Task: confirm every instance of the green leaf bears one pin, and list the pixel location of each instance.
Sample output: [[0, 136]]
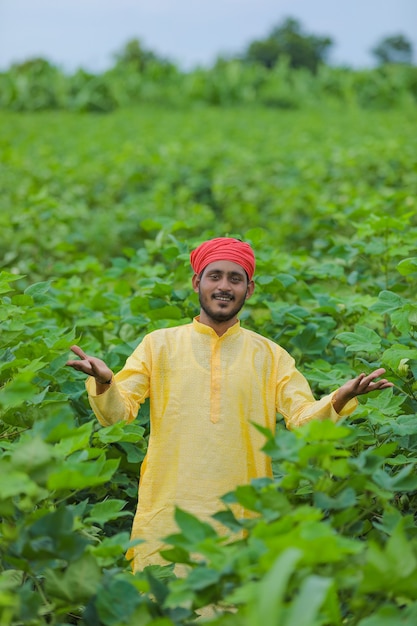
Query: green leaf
[[324, 430], [132, 433], [6, 278], [343, 500], [310, 341], [134, 452], [391, 569], [202, 577], [228, 520], [396, 353], [75, 439], [116, 602], [404, 425], [246, 496], [166, 313], [386, 403], [404, 480], [407, 266], [38, 289], [17, 392], [77, 584], [31, 452], [362, 340], [285, 280], [79, 475], [18, 483], [30, 603], [11, 579], [403, 559], [102, 512], [177, 555], [268, 607], [285, 446], [158, 587], [52, 537], [388, 302], [191, 527], [305, 607], [112, 548], [392, 615]]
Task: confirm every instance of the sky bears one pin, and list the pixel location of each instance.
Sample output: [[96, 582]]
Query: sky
[[88, 33]]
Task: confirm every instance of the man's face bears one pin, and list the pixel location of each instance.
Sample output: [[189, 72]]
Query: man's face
[[222, 289]]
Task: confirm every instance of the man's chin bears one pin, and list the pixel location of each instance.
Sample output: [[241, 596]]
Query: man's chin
[[217, 314], [220, 316]]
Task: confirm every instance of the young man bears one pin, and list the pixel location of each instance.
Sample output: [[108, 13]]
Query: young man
[[208, 382]]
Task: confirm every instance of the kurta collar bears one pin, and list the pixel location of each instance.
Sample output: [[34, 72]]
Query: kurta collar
[[207, 330]]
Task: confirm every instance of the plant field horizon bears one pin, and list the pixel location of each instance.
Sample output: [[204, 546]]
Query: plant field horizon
[[98, 214]]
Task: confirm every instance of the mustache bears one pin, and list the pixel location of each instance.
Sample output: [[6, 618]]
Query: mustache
[[223, 294]]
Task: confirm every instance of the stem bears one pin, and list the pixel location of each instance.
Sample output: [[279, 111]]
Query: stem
[[386, 258], [61, 500], [8, 435], [363, 515], [39, 588], [409, 395], [366, 611]]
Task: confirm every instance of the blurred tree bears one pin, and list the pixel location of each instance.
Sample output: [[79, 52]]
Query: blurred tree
[[37, 85], [35, 65], [288, 40], [394, 49], [134, 55]]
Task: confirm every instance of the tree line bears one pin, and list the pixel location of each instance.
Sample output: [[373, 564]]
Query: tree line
[[286, 69], [287, 40]]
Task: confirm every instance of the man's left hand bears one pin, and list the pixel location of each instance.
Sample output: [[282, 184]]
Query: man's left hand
[[364, 383]]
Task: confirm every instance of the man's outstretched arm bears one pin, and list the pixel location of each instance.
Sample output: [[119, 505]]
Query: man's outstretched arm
[[358, 386], [92, 366]]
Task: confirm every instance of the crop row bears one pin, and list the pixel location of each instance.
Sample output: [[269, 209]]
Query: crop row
[[98, 216]]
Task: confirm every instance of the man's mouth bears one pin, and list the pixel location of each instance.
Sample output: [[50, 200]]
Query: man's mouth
[[223, 298]]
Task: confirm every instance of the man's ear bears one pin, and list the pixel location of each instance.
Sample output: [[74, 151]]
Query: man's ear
[[250, 289], [195, 282]]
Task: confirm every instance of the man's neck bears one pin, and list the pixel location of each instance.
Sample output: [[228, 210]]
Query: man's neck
[[219, 327]]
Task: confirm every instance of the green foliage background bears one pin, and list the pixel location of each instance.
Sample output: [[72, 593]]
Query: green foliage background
[[140, 78], [98, 215]]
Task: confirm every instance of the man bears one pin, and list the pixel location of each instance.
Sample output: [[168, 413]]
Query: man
[[208, 382]]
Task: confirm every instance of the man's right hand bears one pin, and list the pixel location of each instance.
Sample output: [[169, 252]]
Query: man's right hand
[[91, 366]]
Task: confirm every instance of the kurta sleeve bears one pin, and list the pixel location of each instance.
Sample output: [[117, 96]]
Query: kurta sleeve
[[129, 388], [295, 400]]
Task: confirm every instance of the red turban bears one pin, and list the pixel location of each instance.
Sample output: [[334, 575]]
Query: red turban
[[223, 249]]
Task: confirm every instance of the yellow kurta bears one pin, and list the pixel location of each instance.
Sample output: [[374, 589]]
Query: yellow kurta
[[205, 391]]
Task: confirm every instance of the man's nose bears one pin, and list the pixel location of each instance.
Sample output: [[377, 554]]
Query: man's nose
[[224, 284]]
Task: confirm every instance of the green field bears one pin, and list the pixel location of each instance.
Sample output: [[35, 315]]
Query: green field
[[98, 214]]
